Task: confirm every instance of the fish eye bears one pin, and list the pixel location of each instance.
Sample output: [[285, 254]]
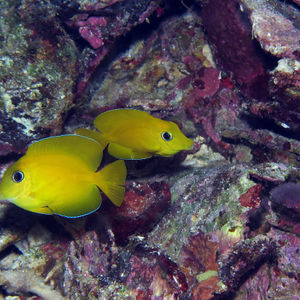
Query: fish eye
[[167, 136], [17, 177]]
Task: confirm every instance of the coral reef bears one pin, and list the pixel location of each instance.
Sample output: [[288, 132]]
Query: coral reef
[[220, 221]]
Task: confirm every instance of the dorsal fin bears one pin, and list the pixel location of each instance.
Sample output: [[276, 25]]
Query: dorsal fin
[[86, 149], [92, 134], [116, 118]]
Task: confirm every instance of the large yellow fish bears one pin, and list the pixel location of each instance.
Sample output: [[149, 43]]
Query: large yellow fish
[[135, 134], [58, 175]]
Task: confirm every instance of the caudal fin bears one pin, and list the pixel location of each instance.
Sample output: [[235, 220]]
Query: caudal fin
[[111, 180], [93, 134]]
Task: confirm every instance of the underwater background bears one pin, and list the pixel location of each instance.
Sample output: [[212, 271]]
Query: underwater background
[[220, 221]]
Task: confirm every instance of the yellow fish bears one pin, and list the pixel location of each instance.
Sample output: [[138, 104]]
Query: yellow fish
[[135, 134], [58, 175]]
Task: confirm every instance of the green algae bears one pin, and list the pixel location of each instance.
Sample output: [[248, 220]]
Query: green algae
[[206, 275]]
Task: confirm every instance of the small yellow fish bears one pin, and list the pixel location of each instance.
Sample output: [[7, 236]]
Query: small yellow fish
[[135, 134], [58, 175]]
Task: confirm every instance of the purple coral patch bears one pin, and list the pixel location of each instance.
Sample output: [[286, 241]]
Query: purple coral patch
[[287, 195], [91, 30]]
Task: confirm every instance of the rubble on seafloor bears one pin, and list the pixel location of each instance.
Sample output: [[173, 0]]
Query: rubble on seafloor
[[220, 221]]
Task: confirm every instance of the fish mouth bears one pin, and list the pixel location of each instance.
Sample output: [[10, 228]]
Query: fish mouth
[[188, 146]]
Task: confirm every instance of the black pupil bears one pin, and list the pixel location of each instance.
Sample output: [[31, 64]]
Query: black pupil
[[167, 136], [18, 176]]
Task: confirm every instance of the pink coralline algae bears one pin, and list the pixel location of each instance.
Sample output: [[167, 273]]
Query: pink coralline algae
[[91, 30], [206, 82], [103, 30]]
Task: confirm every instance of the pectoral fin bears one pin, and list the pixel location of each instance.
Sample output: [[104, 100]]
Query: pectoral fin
[[45, 210], [122, 152]]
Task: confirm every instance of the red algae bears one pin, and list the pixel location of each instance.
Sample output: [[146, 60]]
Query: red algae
[[252, 197], [142, 208], [196, 257], [235, 50]]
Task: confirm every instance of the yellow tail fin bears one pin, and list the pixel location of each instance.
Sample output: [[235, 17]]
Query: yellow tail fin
[[111, 180], [93, 134]]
